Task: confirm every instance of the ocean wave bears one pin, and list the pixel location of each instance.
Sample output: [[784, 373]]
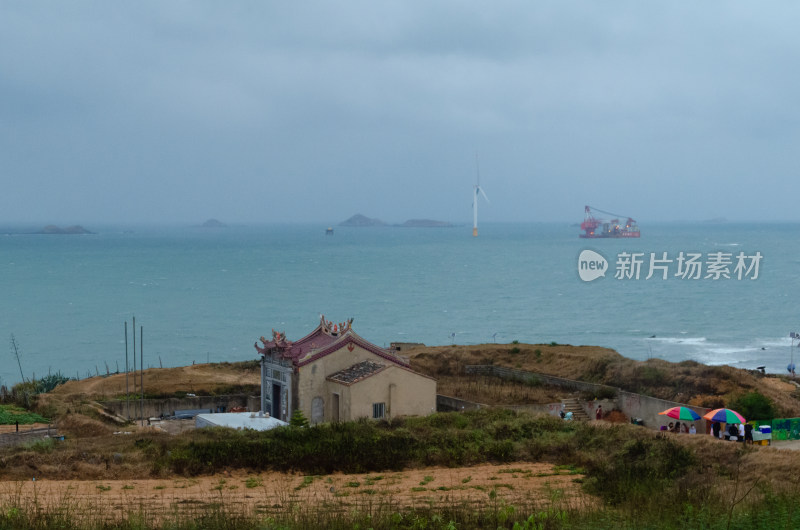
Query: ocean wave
[[679, 340], [776, 343], [729, 350]]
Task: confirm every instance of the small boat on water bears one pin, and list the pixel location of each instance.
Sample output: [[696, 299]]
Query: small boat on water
[[594, 227]]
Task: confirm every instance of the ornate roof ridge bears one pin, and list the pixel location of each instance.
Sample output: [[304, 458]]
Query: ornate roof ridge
[[355, 338]]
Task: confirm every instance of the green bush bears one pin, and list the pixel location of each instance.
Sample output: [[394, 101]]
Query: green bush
[[11, 414], [641, 469], [754, 406], [298, 419], [442, 439], [49, 382]]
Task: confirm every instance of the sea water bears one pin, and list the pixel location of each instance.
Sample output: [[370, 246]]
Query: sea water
[[201, 295]]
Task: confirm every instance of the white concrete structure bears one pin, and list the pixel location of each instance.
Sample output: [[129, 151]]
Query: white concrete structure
[[238, 420]]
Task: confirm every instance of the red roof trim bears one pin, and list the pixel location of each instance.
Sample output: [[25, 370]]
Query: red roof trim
[[351, 337]]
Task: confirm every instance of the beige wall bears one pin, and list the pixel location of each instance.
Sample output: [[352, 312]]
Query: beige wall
[[412, 394], [405, 394], [311, 380]]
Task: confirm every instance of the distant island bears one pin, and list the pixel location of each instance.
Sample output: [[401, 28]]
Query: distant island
[[53, 229], [213, 223], [362, 220]]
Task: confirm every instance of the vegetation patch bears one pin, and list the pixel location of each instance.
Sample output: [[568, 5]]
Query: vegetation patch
[[12, 414]]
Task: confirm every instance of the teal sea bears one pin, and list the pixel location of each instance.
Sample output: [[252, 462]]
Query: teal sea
[[208, 294]]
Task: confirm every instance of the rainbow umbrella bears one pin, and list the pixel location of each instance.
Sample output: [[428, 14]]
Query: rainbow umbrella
[[725, 416], [681, 413]]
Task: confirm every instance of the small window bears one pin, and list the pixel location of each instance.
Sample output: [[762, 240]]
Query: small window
[[378, 410]]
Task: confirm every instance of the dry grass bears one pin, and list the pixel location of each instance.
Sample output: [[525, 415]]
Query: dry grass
[[572, 362], [685, 382], [496, 391], [197, 379], [101, 499], [78, 425]]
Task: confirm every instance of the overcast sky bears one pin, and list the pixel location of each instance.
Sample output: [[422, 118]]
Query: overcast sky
[[131, 112]]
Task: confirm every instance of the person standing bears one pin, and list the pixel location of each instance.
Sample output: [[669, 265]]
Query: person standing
[[692, 430], [741, 432], [598, 414], [715, 428], [748, 434]]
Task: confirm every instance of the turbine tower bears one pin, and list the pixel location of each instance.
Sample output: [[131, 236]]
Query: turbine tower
[[477, 191]]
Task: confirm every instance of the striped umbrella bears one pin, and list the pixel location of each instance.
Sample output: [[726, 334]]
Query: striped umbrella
[[725, 416], [681, 413]]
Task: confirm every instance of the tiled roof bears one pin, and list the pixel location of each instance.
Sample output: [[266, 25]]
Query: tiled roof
[[356, 373], [324, 340]]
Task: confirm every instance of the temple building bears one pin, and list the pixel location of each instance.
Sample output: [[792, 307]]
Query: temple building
[[332, 374]]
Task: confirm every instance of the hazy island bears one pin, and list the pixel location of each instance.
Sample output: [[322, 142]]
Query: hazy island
[[69, 230], [362, 220], [213, 223]]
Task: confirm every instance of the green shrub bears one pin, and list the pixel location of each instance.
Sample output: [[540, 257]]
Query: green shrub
[[298, 419], [754, 406], [11, 414], [603, 392], [442, 439], [641, 469], [252, 482]]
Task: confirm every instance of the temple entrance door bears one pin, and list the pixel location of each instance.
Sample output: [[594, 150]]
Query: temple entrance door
[[276, 401], [334, 407]]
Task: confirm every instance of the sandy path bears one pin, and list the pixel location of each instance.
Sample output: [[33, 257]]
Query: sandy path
[[520, 483]]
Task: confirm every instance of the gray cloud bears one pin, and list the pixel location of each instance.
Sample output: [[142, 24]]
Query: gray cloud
[[268, 112]]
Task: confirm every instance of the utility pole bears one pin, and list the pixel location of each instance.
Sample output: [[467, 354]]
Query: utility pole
[[134, 363], [16, 353], [127, 391], [141, 367]]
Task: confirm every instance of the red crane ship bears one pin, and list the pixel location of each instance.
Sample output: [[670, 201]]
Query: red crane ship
[[595, 227]]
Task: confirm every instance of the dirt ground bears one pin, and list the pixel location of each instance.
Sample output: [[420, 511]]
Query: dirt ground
[[22, 428], [190, 379], [786, 444], [523, 483]]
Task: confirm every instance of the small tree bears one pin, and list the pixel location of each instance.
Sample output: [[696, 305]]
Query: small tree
[[298, 419], [754, 406]]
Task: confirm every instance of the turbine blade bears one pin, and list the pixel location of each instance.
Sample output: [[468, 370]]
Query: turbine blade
[[484, 195]]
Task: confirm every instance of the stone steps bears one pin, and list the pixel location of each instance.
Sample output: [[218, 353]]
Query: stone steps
[[573, 405]]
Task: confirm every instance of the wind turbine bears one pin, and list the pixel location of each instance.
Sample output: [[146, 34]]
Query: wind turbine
[[478, 190]]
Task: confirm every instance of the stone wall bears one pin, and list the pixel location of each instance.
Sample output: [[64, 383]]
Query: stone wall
[[637, 407], [646, 408], [158, 408], [451, 404], [26, 435]]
